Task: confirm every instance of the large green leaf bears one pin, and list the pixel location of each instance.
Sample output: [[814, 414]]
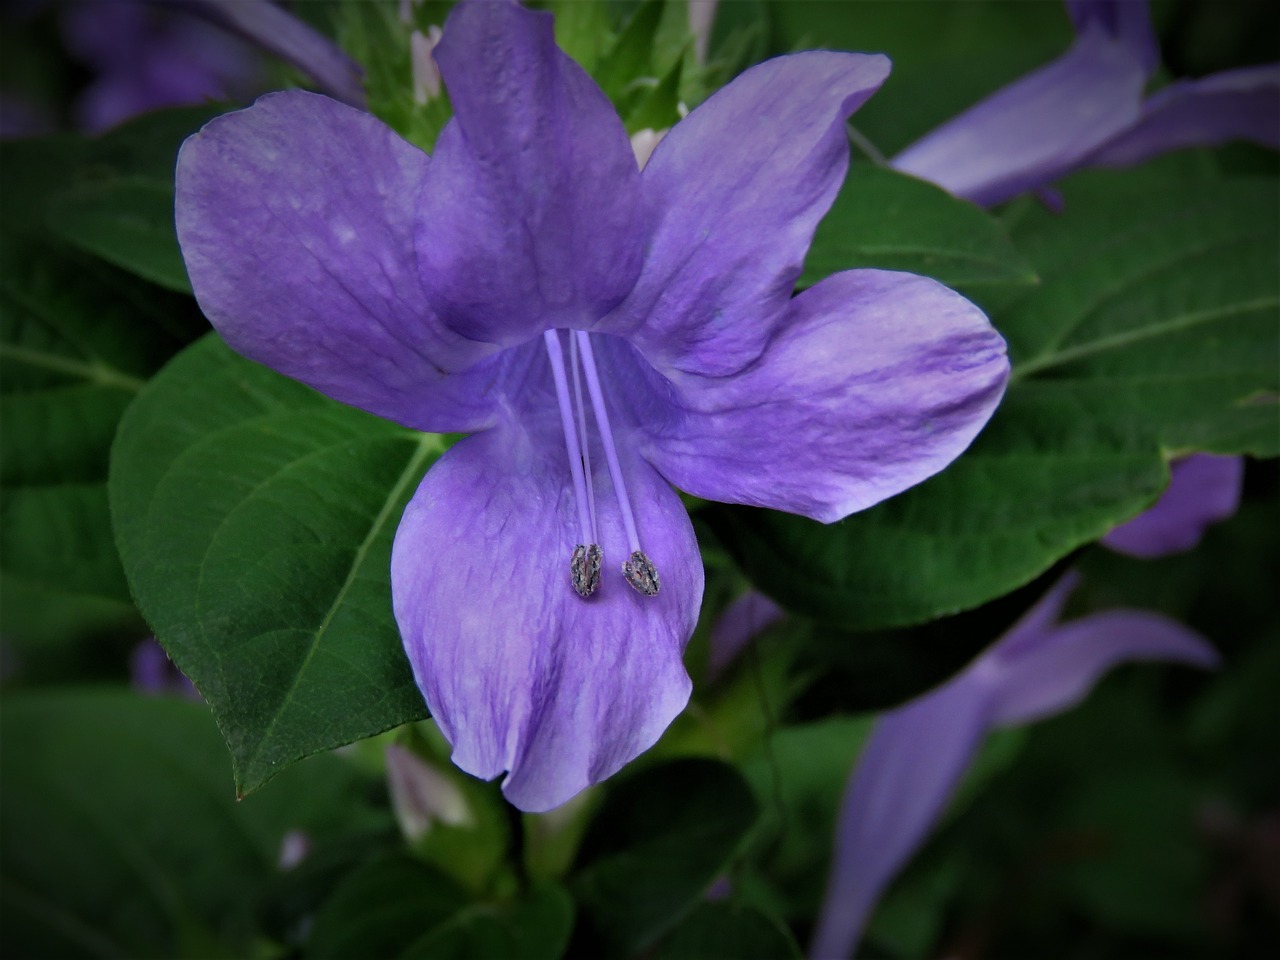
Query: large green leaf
[[123, 839], [888, 220], [255, 519], [78, 340], [1153, 333], [655, 845]]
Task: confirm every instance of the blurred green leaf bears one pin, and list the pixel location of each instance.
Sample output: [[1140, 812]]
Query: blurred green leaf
[[890, 221], [1153, 333], [398, 907], [78, 340], [657, 842], [255, 519], [122, 837], [727, 930]]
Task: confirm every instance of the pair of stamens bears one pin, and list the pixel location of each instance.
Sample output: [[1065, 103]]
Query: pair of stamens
[[587, 559]]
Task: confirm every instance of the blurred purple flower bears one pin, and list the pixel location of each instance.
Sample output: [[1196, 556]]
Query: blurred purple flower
[[1203, 490], [918, 753], [1087, 109], [745, 618], [152, 672], [442, 292], [147, 54]]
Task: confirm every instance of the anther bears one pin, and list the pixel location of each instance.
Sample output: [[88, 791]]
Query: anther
[[584, 569], [641, 574]]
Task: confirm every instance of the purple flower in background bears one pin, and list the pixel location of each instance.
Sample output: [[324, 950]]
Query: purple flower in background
[[1087, 109], [742, 621], [1203, 490], [152, 672], [604, 334], [918, 753], [148, 55]]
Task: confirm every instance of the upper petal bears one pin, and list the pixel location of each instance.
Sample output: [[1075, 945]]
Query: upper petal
[[739, 187], [521, 673], [875, 381], [1036, 129], [1203, 490], [534, 197], [296, 221], [1233, 105]]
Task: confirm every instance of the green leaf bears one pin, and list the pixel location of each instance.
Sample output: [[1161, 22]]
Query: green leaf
[[122, 838], [533, 928], [890, 221], [398, 907], [127, 221], [116, 198], [1153, 334], [657, 842], [727, 930], [77, 342], [255, 519], [630, 57]]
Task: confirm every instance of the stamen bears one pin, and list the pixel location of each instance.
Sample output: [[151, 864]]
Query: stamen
[[638, 569], [582, 433], [579, 567]]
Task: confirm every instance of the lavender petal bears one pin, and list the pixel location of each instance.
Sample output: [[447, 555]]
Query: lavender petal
[[1204, 489], [521, 673], [1037, 128], [874, 381], [535, 219], [296, 220], [740, 185], [1233, 105]]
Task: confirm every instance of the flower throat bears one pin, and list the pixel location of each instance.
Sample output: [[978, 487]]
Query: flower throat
[[587, 559]]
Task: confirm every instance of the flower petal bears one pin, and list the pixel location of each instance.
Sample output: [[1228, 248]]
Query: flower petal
[[905, 775], [742, 621], [1234, 105], [520, 673], [918, 753], [874, 381], [1203, 490], [1127, 20], [534, 192], [292, 40], [1057, 671], [1037, 128], [296, 221], [741, 184]]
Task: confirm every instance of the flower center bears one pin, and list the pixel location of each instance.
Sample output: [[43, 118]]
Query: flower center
[[586, 560]]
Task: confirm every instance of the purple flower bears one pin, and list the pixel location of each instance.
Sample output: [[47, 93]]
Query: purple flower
[[742, 621], [603, 334], [917, 754], [147, 55], [1087, 109], [1203, 490]]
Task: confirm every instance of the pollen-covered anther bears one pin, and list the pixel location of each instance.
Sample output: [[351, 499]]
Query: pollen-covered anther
[[641, 574], [584, 569]]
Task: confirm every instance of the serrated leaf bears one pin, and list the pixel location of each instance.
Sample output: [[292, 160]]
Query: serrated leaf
[[891, 221], [122, 838], [656, 843], [255, 519], [77, 342], [1154, 333]]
